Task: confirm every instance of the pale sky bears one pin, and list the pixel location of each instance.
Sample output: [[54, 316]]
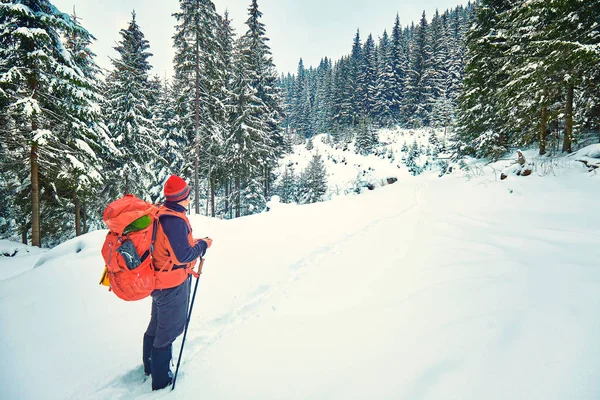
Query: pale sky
[[311, 29]]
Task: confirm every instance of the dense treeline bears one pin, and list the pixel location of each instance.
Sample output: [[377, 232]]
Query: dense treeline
[[532, 76], [500, 73], [73, 137], [412, 77]]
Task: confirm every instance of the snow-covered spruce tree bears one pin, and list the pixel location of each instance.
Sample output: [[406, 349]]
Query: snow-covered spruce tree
[[313, 181], [163, 108], [288, 187], [366, 138], [221, 169], [287, 84], [456, 57], [412, 159], [535, 61], [129, 120], [49, 112], [399, 66], [82, 187], [368, 79], [259, 116], [418, 97], [354, 82], [341, 98], [550, 59], [200, 79], [480, 116], [301, 106], [322, 102], [384, 90], [441, 107]]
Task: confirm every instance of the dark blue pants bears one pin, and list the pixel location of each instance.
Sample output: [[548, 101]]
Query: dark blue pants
[[169, 314]]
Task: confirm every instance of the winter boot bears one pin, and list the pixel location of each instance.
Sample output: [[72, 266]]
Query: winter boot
[[147, 353], [161, 373]]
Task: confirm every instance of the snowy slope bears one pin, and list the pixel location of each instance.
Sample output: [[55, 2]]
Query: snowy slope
[[430, 288], [347, 170], [16, 258]]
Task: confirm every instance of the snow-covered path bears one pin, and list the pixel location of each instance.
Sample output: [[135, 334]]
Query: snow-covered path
[[447, 299], [440, 289]]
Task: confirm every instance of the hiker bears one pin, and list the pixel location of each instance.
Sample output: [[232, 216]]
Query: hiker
[[174, 246]]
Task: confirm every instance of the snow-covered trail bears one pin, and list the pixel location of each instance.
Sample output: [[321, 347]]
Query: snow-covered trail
[[454, 298], [274, 251], [436, 289]]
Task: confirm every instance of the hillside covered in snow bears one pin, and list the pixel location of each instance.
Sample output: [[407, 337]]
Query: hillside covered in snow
[[462, 286]]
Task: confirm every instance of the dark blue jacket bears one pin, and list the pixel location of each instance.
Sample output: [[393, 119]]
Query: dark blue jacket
[[177, 231]]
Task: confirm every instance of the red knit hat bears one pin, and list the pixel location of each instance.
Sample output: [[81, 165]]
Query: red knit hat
[[176, 189]]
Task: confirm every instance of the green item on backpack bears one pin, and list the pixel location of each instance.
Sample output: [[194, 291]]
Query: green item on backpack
[[137, 225]]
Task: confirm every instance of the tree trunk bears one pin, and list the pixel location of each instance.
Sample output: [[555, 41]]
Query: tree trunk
[[543, 129], [237, 197], [226, 197], [197, 126], [212, 199], [35, 195], [568, 119], [209, 199], [24, 231], [266, 191], [77, 215], [84, 217]]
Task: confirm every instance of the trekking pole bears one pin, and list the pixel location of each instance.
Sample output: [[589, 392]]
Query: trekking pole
[[189, 316]]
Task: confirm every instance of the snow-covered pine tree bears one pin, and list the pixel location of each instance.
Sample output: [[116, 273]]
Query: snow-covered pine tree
[[368, 79], [456, 54], [399, 65], [173, 141], [200, 78], [441, 107], [384, 90], [266, 102], [49, 112], [313, 181], [524, 61], [412, 159], [322, 101], [353, 81], [301, 107], [287, 84], [549, 63], [220, 187], [480, 116], [341, 98], [288, 187], [129, 120], [366, 139], [417, 100]]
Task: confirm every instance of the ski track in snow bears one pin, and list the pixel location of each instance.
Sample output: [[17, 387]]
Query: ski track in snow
[[464, 291], [225, 323]]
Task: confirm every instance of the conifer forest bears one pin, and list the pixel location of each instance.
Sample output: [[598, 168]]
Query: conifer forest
[[494, 75]]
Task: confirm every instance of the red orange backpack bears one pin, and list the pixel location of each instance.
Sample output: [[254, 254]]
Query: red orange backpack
[[127, 252]]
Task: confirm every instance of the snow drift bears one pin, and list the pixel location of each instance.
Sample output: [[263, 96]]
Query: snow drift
[[427, 289]]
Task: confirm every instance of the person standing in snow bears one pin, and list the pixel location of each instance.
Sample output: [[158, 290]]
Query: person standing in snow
[[174, 250]]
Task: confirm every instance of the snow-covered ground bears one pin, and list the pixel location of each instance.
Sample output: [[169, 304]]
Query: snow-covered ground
[[16, 258], [461, 287], [349, 172]]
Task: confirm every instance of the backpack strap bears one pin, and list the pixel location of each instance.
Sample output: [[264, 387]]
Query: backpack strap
[[162, 211]]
